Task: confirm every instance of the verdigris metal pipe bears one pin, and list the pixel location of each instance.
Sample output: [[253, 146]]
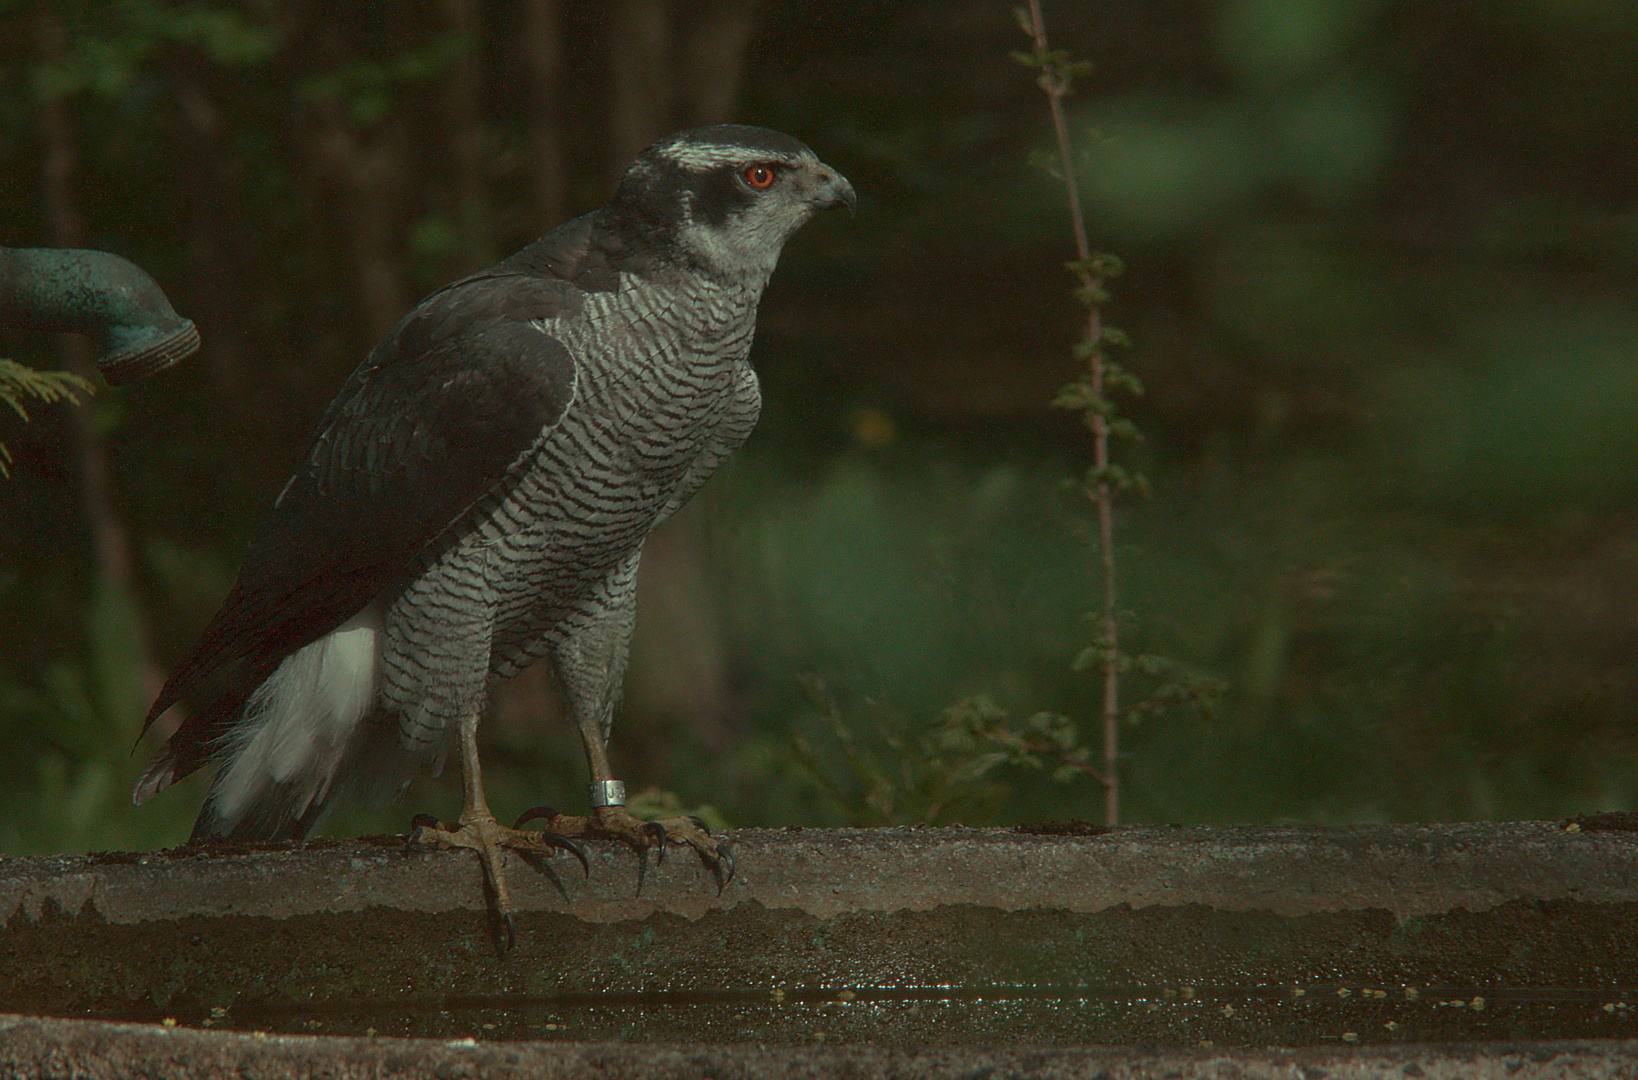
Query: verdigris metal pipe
[[92, 292]]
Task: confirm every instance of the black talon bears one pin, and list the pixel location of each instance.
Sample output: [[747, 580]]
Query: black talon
[[511, 933], [548, 837], [724, 856], [540, 862], [532, 813], [417, 823], [571, 847], [656, 836], [699, 823], [500, 920]]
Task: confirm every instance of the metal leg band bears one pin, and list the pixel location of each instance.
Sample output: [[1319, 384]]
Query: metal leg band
[[607, 793]]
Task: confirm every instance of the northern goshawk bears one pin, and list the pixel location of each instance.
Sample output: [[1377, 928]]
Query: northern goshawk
[[477, 497]]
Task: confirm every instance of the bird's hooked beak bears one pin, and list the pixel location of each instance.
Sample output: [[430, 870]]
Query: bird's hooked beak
[[830, 188]]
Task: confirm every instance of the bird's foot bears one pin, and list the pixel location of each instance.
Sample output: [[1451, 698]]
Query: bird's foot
[[480, 832], [617, 823]]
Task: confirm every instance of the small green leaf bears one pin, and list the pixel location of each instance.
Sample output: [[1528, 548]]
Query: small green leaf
[[1074, 395], [1092, 294], [1121, 428], [1107, 265], [1119, 378], [1088, 658], [1046, 161]]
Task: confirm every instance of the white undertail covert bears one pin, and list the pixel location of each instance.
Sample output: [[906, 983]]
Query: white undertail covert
[[298, 723]]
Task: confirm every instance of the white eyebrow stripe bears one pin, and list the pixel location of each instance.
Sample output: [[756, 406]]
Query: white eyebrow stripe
[[697, 157]]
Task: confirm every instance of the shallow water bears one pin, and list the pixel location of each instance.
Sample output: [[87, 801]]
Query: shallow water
[[1182, 1016]]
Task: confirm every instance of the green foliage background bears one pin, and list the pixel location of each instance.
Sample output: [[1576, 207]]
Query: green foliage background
[[1382, 266]]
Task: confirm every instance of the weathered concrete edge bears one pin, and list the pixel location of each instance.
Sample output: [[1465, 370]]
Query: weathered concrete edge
[[94, 1050], [1290, 870]]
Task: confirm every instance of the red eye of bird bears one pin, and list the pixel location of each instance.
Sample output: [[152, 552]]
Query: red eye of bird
[[759, 176]]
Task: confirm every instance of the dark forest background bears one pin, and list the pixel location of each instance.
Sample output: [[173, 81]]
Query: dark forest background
[[1383, 264]]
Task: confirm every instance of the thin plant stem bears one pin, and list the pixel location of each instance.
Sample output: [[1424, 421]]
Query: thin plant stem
[[1056, 86]]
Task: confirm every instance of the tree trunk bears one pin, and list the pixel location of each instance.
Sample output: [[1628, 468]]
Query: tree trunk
[[543, 57], [640, 98], [370, 169], [222, 262], [713, 60], [110, 536], [463, 104]]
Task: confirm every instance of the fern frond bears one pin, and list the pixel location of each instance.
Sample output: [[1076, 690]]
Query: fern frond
[[18, 383]]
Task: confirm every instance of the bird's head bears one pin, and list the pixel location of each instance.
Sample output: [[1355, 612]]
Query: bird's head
[[728, 197]]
